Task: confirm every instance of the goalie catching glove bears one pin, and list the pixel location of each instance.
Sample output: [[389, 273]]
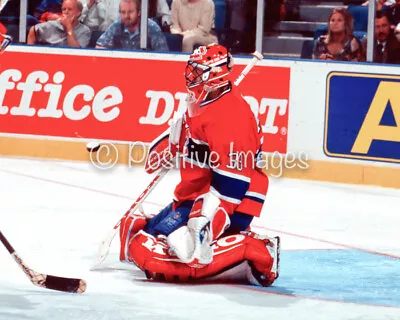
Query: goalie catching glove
[[167, 145], [207, 221]]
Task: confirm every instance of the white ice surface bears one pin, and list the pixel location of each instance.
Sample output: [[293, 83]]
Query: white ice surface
[[55, 214]]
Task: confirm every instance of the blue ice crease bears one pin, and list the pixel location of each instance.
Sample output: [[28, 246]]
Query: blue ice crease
[[343, 275]]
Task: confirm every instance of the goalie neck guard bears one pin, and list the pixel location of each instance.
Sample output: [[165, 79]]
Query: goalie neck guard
[[207, 74]]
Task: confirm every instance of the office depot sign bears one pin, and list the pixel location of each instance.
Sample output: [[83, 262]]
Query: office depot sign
[[119, 99]]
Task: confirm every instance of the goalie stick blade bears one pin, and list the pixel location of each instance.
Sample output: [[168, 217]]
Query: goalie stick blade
[[63, 284], [104, 248]]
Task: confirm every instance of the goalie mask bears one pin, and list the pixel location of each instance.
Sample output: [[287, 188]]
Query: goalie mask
[[208, 70]]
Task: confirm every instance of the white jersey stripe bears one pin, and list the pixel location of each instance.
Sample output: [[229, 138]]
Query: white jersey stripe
[[196, 163], [199, 141], [228, 199], [255, 195], [231, 175]]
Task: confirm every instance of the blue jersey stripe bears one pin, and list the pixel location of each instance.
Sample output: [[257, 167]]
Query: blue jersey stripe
[[229, 186], [255, 199]]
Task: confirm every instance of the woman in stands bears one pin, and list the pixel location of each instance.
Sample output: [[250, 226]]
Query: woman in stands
[[339, 43]]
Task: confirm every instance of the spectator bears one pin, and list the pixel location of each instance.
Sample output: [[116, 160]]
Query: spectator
[[164, 13], [48, 10], [381, 4], [125, 32], [339, 43], [386, 48], [66, 31], [193, 19], [112, 13], [160, 12], [397, 32], [237, 23], [394, 12], [93, 14], [158, 9]]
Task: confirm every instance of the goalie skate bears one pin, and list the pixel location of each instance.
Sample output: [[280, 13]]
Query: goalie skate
[[275, 250], [273, 246]]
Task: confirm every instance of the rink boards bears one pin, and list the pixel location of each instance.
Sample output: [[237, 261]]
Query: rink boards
[[324, 121]]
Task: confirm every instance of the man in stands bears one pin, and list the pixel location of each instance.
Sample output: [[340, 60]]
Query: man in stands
[[387, 48], [66, 31], [93, 14], [125, 33], [205, 230]]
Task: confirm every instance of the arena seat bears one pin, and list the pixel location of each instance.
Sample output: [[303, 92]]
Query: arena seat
[[360, 15], [307, 49], [174, 41]]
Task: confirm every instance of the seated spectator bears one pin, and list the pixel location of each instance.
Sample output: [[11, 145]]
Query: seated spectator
[[160, 12], [339, 43], [125, 32], [394, 13], [241, 22], [193, 19], [237, 23], [380, 4], [112, 13], [93, 14], [66, 31], [386, 48], [48, 10], [397, 32]]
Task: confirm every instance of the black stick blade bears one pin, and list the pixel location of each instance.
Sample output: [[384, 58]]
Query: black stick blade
[[63, 284]]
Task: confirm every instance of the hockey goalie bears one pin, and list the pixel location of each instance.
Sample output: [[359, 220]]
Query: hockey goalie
[[205, 232]]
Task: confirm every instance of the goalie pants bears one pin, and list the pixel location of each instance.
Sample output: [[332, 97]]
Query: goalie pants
[[168, 220]]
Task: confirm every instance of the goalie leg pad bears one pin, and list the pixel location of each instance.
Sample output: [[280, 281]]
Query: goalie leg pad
[[151, 255], [220, 223], [128, 228]]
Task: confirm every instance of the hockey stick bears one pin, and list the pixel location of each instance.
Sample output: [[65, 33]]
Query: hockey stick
[[106, 243], [44, 280], [257, 56]]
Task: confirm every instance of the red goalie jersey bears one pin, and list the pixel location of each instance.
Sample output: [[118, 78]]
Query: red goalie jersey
[[223, 142]]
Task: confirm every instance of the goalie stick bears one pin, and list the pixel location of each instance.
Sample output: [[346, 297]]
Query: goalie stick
[[104, 247], [106, 243], [44, 280]]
